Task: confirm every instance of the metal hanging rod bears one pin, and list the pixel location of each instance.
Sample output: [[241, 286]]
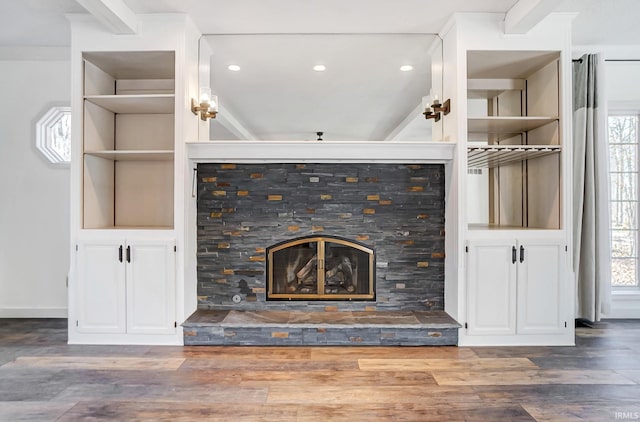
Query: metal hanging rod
[[490, 156], [611, 60]]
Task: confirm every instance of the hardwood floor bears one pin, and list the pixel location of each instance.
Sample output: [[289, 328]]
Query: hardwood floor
[[44, 379]]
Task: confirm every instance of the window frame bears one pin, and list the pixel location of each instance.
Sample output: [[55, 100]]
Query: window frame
[[636, 113], [44, 128]]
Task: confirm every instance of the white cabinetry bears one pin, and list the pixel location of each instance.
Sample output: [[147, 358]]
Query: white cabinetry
[[126, 286], [511, 99], [516, 287], [131, 114]]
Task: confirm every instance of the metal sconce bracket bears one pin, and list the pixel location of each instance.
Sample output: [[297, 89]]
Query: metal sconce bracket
[[437, 110], [203, 110]]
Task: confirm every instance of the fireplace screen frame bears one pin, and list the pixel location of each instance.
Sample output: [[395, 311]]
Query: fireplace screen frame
[[321, 263]]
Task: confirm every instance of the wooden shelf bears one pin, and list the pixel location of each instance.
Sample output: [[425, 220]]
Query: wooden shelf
[[490, 88], [490, 156], [497, 227], [132, 228], [135, 104], [131, 155], [505, 126]]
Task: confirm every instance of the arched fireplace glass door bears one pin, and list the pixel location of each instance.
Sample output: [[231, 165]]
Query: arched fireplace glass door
[[320, 268]]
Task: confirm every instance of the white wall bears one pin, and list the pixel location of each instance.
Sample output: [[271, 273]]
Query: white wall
[[622, 84], [34, 195]]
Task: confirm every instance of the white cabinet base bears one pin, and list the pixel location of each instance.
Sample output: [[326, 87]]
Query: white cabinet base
[[124, 289], [519, 290], [566, 339]]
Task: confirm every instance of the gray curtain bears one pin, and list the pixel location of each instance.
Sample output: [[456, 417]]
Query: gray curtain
[[592, 247]]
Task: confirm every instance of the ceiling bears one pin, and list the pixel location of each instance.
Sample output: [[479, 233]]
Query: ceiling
[[379, 101], [42, 22]]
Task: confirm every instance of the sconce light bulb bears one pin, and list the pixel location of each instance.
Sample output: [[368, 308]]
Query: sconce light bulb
[[213, 103], [205, 95]]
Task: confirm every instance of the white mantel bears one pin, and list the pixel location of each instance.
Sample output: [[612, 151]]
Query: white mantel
[[320, 152]]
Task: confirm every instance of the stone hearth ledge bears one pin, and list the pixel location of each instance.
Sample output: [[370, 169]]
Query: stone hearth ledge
[[299, 328], [301, 319]]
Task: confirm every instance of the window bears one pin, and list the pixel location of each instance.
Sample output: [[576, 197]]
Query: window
[[623, 144], [53, 135]]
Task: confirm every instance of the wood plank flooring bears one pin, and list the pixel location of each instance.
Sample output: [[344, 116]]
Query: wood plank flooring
[[44, 379]]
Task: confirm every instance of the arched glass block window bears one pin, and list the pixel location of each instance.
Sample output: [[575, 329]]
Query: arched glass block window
[[53, 135]]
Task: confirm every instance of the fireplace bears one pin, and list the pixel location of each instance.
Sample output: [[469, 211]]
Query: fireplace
[[320, 268], [249, 213]]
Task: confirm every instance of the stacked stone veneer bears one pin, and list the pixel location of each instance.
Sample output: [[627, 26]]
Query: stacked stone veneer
[[398, 210]]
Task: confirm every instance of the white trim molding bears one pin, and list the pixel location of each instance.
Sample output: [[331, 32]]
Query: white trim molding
[[321, 152], [33, 312], [624, 305]]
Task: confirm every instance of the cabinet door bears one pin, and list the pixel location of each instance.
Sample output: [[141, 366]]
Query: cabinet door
[[150, 287], [492, 288], [540, 286], [101, 287]]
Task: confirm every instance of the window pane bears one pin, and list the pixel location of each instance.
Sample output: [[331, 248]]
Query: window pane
[[624, 215], [622, 129], [623, 157], [623, 187], [623, 243], [623, 179], [623, 272]]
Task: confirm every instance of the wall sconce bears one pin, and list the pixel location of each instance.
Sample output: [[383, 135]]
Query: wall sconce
[[208, 105], [436, 109]]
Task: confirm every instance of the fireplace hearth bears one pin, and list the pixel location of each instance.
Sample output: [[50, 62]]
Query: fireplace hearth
[[320, 268]]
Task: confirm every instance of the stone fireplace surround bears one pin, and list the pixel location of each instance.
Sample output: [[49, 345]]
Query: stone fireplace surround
[[248, 201]]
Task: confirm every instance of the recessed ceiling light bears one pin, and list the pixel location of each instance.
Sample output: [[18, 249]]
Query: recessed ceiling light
[[406, 67], [233, 67], [319, 68]]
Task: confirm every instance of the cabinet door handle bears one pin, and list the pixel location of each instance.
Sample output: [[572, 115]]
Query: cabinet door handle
[[521, 253], [128, 253], [120, 253], [513, 254]]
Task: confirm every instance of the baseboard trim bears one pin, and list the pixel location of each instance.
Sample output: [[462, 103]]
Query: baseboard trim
[[33, 312]]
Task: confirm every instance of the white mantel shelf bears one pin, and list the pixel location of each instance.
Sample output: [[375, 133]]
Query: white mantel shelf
[[320, 152]]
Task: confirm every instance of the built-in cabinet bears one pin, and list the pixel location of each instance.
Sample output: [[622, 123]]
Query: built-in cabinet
[[516, 283], [516, 286], [508, 271], [126, 286], [130, 110], [125, 282]]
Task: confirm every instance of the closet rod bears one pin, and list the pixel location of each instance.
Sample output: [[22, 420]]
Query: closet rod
[[611, 60]]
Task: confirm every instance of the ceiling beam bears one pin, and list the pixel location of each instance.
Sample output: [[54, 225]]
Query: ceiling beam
[[526, 14], [114, 14]]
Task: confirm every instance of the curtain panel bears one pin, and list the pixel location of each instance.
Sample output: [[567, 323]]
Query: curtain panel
[[591, 215]]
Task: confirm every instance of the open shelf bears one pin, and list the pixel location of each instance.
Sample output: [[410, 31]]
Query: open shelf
[[490, 156], [137, 227], [128, 140], [506, 126], [135, 104], [141, 155], [490, 88], [513, 128]]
